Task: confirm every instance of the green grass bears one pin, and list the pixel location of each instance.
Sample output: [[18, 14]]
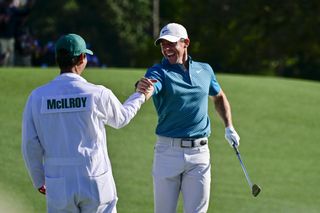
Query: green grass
[[277, 119]]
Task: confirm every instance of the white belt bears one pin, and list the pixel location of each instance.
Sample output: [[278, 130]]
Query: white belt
[[184, 142]]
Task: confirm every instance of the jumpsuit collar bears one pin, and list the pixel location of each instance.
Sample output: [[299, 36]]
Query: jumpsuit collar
[[69, 76]]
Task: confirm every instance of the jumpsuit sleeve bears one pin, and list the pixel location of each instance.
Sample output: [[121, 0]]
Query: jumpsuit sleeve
[[32, 150], [119, 115]]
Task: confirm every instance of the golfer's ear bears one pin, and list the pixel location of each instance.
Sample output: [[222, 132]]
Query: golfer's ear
[[186, 42]]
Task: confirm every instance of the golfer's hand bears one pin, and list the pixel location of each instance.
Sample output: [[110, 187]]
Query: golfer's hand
[[145, 86], [42, 189], [232, 136]]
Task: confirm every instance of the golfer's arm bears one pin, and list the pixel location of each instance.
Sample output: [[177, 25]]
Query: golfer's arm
[[223, 108]]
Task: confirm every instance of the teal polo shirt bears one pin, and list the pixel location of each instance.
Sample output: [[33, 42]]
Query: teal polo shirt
[[181, 98]]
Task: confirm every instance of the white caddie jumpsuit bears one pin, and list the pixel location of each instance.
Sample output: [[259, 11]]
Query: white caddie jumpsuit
[[64, 142]]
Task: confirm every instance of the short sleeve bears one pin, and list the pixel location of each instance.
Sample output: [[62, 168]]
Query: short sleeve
[[214, 85], [155, 72]]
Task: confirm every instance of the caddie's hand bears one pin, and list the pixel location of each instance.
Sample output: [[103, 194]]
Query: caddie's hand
[[232, 136], [145, 86], [42, 189]]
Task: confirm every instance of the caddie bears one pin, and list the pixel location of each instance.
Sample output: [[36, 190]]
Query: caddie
[[181, 155], [63, 134]]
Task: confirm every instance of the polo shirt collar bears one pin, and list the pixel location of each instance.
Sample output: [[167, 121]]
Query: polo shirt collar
[[165, 62]]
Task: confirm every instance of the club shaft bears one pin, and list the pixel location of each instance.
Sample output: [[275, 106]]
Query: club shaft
[[243, 167]]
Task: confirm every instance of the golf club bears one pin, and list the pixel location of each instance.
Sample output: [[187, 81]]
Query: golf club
[[255, 189]]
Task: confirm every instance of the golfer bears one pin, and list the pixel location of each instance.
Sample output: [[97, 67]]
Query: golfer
[[64, 138], [181, 156]]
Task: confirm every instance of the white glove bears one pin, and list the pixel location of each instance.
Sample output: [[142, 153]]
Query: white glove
[[232, 136]]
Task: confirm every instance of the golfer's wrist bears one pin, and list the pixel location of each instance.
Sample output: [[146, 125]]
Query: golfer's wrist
[[229, 127]]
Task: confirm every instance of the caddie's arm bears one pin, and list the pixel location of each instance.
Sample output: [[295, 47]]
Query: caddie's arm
[[119, 115], [32, 150], [223, 108]]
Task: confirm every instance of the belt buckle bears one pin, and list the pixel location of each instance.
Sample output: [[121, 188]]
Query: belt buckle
[[186, 143]]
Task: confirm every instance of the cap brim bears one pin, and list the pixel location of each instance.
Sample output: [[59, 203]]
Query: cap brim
[[89, 52], [168, 38]]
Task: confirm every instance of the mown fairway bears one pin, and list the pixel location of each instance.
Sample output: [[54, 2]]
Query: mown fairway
[[277, 119]]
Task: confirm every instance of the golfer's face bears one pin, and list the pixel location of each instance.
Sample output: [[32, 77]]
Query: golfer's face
[[173, 51]]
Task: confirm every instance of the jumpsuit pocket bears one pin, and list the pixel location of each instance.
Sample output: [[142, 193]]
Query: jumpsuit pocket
[[103, 188], [56, 192]]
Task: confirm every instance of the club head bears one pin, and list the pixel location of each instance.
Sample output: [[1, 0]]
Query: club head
[[255, 190]]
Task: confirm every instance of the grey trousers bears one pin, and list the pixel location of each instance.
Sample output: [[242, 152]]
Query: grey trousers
[[185, 170]]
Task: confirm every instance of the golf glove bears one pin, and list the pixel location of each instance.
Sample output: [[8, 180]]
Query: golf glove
[[232, 136]]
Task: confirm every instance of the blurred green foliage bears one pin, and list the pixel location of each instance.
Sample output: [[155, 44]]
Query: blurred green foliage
[[243, 36]]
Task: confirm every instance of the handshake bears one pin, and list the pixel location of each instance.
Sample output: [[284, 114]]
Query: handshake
[[145, 86]]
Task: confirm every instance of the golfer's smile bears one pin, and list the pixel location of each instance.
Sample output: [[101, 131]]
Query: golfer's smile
[[172, 51]]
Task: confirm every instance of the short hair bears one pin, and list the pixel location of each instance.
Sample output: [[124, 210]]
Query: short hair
[[64, 60]]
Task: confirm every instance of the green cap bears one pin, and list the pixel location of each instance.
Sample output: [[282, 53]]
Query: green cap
[[74, 44]]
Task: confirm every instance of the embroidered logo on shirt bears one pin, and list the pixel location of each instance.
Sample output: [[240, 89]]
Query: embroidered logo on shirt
[[198, 71], [69, 103]]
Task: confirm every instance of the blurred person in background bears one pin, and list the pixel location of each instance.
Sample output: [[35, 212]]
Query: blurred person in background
[[10, 16], [25, 47]]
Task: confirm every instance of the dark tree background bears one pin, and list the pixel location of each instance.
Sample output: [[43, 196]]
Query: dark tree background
[[239, 36]]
